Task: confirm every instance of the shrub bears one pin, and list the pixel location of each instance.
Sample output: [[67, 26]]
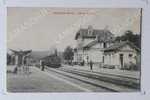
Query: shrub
[[130, 66]]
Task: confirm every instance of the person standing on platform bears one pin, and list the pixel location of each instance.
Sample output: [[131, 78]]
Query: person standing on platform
[[91, 65], [43, 67]]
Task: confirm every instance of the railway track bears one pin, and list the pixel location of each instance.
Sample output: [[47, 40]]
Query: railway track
[[116, 79], [92, 80]]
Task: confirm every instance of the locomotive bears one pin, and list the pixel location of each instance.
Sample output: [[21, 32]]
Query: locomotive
[[52, 61]]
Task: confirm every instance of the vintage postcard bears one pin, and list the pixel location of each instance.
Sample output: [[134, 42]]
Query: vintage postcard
[[54, 49]]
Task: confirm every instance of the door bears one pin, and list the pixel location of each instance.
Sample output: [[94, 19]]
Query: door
[[121, 60]]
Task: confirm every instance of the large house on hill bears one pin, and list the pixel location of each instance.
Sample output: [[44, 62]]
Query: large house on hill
[[100, 47]]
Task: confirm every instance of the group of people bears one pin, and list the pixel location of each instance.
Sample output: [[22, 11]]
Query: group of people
[[89, 63]]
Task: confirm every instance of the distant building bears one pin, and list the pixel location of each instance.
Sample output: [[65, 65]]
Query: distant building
[[100, 47]]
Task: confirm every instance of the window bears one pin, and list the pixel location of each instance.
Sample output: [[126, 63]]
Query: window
[[104, 45], [130, 55]]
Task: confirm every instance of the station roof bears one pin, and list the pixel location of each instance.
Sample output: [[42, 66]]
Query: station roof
[[118, 45]]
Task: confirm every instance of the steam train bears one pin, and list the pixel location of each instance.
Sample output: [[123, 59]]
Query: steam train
[[52, 61]]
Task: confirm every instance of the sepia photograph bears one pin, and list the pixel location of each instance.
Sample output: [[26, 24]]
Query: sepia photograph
[[62, 50]]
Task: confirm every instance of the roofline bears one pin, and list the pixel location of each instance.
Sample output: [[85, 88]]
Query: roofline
[[78, 32], [127, 42]]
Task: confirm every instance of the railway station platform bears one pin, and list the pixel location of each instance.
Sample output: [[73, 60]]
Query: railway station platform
[[67, 79], [38, 81], [124, 73]]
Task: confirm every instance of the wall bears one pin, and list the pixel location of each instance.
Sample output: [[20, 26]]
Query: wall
[[95, 55], [113, 58]]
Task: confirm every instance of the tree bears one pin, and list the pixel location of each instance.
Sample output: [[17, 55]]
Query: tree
[[68, 54], [128, 35]]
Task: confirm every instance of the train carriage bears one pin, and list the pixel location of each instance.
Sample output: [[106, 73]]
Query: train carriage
[[52, 61]]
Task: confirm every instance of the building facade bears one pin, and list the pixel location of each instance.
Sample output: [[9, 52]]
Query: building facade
[[100, 47], [122, 55]]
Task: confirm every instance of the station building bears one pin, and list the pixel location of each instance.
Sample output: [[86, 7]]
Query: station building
[[100, 47]]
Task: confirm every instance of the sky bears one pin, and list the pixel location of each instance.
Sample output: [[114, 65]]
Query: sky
[[47, 28]]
